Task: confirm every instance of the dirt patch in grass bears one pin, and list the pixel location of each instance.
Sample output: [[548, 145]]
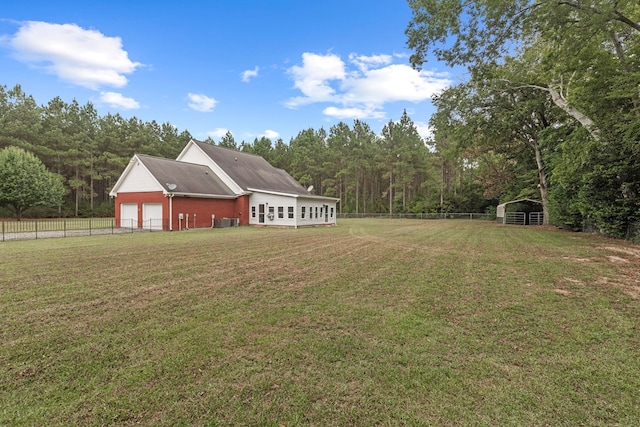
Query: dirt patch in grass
[[629, 286], [630, 251], [625, 263], [627, 271]]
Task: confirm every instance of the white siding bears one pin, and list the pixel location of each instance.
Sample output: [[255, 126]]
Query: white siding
[[275, 202], [139, 179], [193, 154], [325, 214]]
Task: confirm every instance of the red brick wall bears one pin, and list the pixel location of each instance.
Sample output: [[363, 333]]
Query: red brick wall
[[140, 198], [242, 206], [202, 208]]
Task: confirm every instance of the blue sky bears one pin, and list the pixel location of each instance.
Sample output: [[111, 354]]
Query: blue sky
[[254, 68]]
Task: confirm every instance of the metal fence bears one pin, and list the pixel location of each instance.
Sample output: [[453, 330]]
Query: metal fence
[[536, 218], [442, 215], [67, 227], [630, 232], [517, 218]]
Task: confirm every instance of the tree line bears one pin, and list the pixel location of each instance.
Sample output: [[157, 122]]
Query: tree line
[[551, 106], [396, 171]]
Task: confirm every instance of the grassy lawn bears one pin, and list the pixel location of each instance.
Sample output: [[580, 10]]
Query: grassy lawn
[[372, 322]]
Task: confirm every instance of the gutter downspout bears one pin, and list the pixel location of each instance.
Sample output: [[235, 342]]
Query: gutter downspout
[[171, 212]]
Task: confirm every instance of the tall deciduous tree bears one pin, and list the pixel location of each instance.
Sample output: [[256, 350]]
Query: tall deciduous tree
[[583, 57], [25, 182]]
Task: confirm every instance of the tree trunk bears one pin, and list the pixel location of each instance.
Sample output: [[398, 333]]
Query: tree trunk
[[404, 196], [77, 189], [357, 193], [390, 193], [542, 183], [91, 185], [442, 183], [560, 101], [584, 120]]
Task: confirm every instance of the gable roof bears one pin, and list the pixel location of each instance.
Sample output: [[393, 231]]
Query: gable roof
[[252, 172], [520, 200], [188, 178], [180, 178]]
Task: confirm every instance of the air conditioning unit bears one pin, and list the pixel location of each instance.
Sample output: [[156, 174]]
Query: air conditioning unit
[[270, 216]]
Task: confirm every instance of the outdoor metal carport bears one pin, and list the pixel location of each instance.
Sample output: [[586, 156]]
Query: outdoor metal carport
[[532, 216]]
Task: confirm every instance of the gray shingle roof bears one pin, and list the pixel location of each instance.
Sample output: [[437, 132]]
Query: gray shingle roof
[[252, 172], [188, 178]]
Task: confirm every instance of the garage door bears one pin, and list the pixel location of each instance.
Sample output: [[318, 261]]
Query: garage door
[[152, 216], [129, 215]]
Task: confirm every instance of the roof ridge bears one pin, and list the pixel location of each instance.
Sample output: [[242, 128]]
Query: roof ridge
[[173, 160], [243, 153]]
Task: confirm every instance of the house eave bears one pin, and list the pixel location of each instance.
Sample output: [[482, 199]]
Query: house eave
[[200, 195], [297, 196]]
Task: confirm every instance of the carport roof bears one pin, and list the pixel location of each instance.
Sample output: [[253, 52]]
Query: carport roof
[[520, 200]]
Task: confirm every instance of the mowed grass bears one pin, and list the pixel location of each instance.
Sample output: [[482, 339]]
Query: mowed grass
[[372, 322]]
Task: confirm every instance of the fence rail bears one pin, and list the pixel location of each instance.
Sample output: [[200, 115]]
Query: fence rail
[[67, 227], [442, 215], [517, 218], [44, 228]]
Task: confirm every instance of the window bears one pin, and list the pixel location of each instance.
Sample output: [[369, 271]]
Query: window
[[302, 213], [253, 211], [290, 209], [331, 212], [320, 212], [280, 212], [316, 212]]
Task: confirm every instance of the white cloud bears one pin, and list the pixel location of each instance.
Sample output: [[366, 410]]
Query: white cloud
[[217, 132], [362, 90], [424, 130], [203, 103], [395, 82], [271, 134], [313, 77], [353, 113], [249, 74], [365, 62], [116, 100], [83, 57]]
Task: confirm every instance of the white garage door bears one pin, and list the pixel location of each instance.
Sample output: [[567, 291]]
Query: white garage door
[[152, 216], [129, 215]]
